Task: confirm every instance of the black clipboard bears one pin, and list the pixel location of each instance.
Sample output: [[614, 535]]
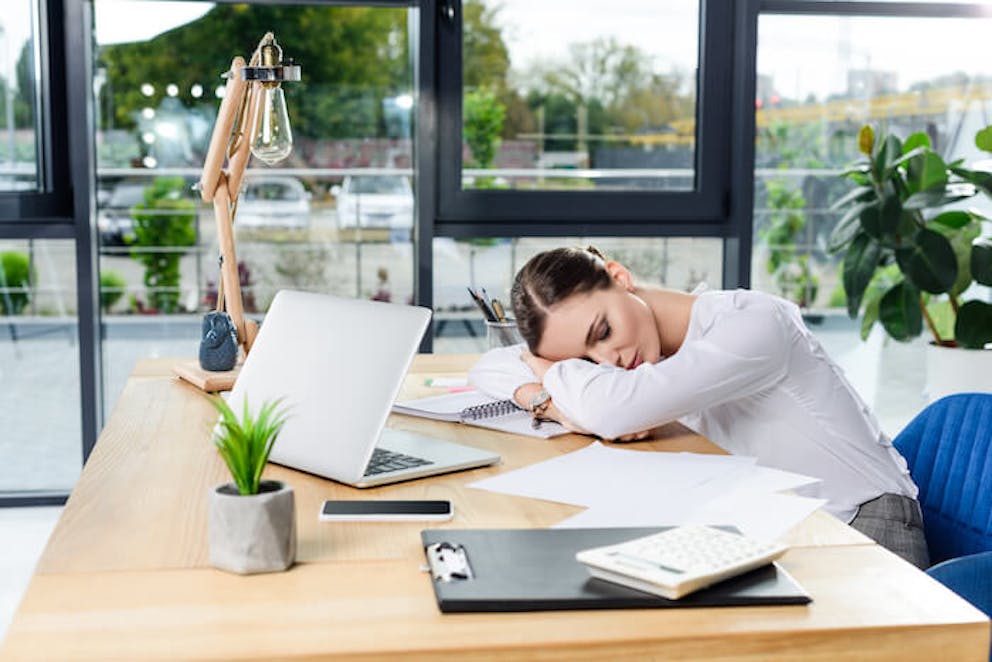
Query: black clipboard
[[496, 570]]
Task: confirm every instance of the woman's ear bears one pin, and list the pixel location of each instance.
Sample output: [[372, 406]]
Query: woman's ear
[[619, 273]]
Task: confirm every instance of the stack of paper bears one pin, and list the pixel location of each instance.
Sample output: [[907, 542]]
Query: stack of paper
[[621, 487]]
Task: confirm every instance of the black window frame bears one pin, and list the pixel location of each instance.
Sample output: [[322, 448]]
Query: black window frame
[[703, 211]]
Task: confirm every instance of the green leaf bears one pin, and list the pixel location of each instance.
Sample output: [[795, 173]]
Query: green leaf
[[899, 311], [929, 263], [871, 221], [973, 328], [983, 139], [961, 240], [936, 197], [889, 151], [926, 171], [952, 219], [859, 193], [981, 261], [979, 178], [915, 141], [859, 267], [847, 227]]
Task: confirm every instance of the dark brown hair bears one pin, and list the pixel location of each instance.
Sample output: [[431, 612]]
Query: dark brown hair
[[549, 278]]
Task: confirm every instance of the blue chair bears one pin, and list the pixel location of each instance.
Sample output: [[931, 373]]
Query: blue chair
[[970, 577], [948, 447]]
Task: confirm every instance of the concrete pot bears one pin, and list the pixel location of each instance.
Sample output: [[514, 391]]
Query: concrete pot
[[256, 533], [957, 370]]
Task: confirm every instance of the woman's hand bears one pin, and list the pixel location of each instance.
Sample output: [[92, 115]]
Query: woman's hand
[[537, 365]]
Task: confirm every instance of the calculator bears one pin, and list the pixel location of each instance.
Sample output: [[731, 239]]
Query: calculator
[[680, 560]]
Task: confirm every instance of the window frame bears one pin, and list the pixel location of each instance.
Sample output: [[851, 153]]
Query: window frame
[[703, 211]]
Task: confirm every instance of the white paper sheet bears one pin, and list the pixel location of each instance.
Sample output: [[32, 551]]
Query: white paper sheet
[[623, 487], [597, 474]]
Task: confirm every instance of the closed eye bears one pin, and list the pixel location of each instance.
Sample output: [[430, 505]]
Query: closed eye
[[604, 330]]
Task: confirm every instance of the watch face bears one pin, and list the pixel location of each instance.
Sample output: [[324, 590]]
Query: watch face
[[540, 398]]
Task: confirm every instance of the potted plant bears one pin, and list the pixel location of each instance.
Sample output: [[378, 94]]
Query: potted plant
[[909, 259], [252, 522]]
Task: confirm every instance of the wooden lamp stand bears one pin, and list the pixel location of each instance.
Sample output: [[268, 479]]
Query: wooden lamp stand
[[234, 129]]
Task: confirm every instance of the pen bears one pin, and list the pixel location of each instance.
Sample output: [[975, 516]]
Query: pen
[[498, 309], [483, 306]]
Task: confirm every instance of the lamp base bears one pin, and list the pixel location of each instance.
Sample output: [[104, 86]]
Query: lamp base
[[206, 380]]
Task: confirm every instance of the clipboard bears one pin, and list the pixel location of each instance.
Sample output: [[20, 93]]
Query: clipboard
[[505, 570]]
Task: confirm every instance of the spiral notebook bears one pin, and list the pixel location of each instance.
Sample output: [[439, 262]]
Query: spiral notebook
[[475, 408]]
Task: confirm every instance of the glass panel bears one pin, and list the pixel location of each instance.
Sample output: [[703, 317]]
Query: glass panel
[[560, 97], [679, 263], [807, 125], [39, 367], [19, 134], [336, 216]]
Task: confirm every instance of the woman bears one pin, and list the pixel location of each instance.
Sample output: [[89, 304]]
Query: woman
[[614, 359]]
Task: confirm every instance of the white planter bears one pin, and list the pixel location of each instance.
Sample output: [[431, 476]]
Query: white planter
[[256, 533], [957, 370]]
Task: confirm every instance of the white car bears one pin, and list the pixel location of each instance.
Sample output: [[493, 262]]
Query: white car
[[374, 201], [273, 201]]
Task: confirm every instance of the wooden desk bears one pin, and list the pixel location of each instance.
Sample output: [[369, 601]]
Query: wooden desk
[[125, 573]]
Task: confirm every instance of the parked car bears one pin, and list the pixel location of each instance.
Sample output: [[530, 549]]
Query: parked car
[[273, 201], [113, 217], [374, 201]]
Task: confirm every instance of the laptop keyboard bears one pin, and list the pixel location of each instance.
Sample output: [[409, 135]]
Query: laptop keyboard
[[383, 461]]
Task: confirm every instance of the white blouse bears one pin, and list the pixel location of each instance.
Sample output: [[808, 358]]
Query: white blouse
[[750, 377]]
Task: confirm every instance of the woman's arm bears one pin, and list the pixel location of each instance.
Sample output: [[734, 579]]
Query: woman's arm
[[501, 372], [742, 352]]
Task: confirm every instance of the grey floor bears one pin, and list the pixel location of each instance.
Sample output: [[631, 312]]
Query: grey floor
[[888, 376]]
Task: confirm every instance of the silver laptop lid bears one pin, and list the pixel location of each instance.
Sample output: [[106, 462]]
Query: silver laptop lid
[[339, 364]]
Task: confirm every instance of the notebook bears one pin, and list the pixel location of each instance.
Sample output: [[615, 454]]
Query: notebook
[[338, 365], [475, 408], [496, 570]]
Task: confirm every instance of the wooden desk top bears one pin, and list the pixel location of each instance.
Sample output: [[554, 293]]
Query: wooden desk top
[[125, 573]]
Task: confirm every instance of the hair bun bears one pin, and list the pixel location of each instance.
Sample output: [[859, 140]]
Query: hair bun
[[595, 251]]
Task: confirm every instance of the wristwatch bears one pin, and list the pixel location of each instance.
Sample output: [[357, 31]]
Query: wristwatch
[[539, 403]]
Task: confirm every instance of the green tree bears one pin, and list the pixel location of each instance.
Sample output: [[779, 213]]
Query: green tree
[[15, 282], [483, 125], [163, 226], [352, 58]]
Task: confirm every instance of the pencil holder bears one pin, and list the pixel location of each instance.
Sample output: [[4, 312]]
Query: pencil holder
[[502, 334]]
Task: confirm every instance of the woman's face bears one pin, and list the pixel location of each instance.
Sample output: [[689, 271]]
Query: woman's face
[[609, 326]]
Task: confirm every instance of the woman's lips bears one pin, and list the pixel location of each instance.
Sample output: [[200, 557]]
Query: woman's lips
[[634, 362]]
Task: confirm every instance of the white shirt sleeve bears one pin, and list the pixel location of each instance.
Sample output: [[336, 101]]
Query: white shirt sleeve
[[742, 351], [501, 371]]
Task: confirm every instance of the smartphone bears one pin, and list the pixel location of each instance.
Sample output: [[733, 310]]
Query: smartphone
[[384, 511]]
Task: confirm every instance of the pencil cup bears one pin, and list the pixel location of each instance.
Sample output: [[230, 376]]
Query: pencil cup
[[502, 334]]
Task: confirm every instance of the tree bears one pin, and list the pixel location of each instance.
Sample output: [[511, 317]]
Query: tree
[[164, 221], [352, 58], [482, 125]]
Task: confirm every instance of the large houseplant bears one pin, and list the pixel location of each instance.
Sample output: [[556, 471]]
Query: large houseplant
[[252, 522], [908, 258]]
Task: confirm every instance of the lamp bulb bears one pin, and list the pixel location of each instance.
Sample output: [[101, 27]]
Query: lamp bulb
[[273, 139]]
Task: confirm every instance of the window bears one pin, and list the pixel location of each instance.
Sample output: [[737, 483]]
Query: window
[[680, 263], [336, 216], [807, 126], [19, 155], [571, 112]]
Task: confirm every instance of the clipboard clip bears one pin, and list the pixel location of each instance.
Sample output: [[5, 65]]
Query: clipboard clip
[[448, 562]]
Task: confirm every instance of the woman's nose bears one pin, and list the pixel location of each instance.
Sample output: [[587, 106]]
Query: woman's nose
[[605, 356]]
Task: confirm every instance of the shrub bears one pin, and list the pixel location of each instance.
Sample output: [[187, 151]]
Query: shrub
[[112, 288], [15, 281]]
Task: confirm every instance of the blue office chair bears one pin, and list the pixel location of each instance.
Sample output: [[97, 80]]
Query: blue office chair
[[970, 577], [948, 447]]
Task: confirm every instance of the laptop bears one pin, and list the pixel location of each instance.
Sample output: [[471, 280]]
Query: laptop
[[338, 365]]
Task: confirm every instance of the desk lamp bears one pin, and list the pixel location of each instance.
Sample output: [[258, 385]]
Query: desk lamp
[[252, 120]]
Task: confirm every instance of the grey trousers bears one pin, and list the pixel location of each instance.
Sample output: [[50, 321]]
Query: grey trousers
[[896, 523]]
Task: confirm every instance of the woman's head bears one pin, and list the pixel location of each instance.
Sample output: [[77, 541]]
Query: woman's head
[[572, 303], [549, 278]]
